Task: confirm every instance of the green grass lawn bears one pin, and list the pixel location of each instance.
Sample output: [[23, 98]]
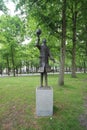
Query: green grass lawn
[[17, 103]]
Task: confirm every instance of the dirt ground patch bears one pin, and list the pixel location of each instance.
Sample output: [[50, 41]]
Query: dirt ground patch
[[16, 117]]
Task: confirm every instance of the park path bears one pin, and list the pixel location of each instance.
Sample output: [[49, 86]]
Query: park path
[[83, 117]]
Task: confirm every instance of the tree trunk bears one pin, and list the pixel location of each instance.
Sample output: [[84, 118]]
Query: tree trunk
[[63, 41], [86, 55], [74, 20], [8, 71], [1, 70], [85, 60], [27, 67], [17, 70], [13, 63], [84, 67]]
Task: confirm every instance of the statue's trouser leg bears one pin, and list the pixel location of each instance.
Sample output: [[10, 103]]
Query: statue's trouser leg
[[41, 79], [46, 84]]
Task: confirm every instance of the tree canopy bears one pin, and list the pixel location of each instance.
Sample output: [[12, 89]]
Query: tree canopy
[[64, 25]]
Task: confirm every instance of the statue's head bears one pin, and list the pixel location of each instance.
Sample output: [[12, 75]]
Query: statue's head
[[38, 32], [44, 41]]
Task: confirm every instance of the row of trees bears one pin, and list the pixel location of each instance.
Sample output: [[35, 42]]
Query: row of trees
[[64, 24]]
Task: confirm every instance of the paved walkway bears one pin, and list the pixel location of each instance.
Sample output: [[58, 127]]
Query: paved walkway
[[83, 117], [32, 74]]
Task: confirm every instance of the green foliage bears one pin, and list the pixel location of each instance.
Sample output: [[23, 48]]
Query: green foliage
[[3, 7], [12, 33], [46, 15]]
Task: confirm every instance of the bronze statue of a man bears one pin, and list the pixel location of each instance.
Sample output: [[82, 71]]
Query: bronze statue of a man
[[44, 58]]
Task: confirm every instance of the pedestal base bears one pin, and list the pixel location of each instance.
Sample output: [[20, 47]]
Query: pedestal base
[[44, 101]]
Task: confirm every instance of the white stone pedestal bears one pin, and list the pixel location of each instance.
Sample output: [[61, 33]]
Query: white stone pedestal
[[44, 101]]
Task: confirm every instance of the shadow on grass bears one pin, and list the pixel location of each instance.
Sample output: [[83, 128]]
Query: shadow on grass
[[69, 86], [55, 109]]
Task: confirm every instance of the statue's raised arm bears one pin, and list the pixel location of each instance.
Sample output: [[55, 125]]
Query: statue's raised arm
[[38, 32]]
